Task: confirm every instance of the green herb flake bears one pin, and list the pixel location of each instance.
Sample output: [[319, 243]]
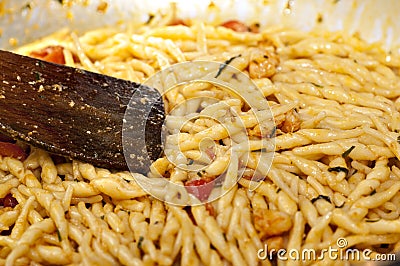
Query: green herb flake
[[372, 220], [191, 162], [261, 150], [327, 198], [317, 85], [225, 64], [140, 242], [346, 153], [338, 169], [199, 174], [102, 217], [38, 75], [273, 133], [58, 235]]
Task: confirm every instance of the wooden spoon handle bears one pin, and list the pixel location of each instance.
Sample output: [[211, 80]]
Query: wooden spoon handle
[[76, 113]]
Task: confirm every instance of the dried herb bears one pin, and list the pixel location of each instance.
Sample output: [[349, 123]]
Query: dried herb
[[372, 220], [338, 169], [346, 153], [225, 64], [140, 241], [273, 132], [317, 85], [261, 150], [38, 75], [327, 198], [58, 235]]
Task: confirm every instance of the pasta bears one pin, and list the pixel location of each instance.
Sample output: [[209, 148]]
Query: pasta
[[334, 174]]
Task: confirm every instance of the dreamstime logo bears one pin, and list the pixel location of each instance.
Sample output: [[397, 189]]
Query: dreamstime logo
[[341, 252], [213, 111]]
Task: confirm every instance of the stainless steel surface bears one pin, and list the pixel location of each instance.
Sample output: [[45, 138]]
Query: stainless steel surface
[[23, 21]]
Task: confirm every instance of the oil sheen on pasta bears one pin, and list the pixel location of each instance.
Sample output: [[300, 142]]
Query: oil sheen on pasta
[[335, 172]]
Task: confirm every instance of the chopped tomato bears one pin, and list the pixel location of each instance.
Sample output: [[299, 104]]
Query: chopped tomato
[[210, 209], [178, 21], [8, 201], [199, 188], [235, 25], [8, 149], [52, 53]]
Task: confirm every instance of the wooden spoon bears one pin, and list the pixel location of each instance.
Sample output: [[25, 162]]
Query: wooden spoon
[[76, 113]]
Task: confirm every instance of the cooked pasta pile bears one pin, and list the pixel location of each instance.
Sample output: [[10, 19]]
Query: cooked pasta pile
[[335, 171]]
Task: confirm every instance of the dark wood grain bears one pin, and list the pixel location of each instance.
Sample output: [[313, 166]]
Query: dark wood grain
[[76, 113]]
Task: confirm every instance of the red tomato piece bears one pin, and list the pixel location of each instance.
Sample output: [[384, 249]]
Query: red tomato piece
[[199, 188], [178, 21], [53, 53], [235, 25], [210, 209], [9, 201], [8, 149]]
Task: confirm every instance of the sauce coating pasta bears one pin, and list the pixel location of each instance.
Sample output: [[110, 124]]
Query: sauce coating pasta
[[334, 174]]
